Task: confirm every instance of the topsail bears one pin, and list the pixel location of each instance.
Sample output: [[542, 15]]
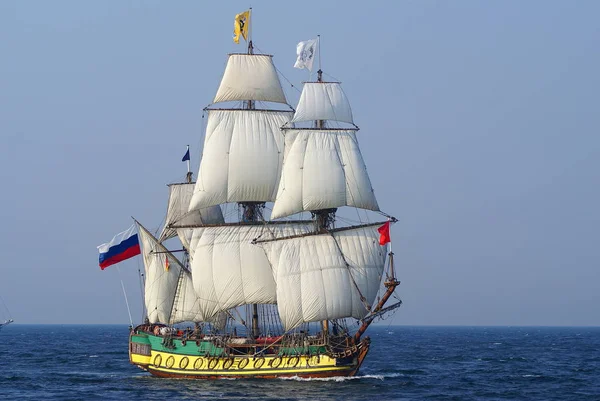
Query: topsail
[[321, 170], [180, 196], [241, 162]]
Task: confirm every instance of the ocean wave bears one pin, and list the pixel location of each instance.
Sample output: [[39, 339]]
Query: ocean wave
[[343, 378]]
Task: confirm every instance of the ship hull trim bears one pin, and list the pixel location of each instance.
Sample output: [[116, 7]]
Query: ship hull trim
[[197, 360]]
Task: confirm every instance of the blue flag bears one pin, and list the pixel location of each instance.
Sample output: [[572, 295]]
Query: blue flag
[[186, 156]]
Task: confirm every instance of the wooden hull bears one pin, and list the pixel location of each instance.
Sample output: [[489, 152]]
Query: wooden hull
[[192, 361]]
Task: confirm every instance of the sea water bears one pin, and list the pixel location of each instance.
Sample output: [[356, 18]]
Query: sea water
[[70, 362]]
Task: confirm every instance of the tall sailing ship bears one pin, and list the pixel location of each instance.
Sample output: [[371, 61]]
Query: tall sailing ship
[[257, 291]]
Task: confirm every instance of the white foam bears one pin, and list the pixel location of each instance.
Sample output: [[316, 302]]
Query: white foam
[[343, 378]]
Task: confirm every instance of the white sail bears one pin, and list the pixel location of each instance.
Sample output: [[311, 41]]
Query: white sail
[[241, 162], [186, 308], [323, 101], [180, 196], [185, 236], [323, 276], [161, 282], [322, 170], [229, 271], [250, 77], [169, 292]]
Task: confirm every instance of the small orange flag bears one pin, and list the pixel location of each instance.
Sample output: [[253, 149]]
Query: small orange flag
[[167, 264]]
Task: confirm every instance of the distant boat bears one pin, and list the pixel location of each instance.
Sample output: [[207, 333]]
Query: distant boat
[[6, 321], [267, 297]]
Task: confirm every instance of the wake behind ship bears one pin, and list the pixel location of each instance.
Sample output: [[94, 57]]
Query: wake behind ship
[[258, 294]]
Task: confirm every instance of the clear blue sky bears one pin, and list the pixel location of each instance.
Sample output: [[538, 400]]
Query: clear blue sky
[[480, 127]]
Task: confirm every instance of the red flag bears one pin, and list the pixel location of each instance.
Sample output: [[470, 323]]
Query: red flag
[[384, 232]]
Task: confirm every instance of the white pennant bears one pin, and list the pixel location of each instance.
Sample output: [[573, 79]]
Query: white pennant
[[306, 51]]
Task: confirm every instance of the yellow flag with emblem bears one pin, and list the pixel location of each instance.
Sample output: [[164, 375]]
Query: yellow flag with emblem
[[241, 25]]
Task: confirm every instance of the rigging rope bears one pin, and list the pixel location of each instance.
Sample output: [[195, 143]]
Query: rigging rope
[[125, 294], [280, 73], [362, 297]]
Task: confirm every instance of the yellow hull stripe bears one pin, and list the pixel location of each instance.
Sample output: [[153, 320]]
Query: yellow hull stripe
[[140, 359], [236, 366]]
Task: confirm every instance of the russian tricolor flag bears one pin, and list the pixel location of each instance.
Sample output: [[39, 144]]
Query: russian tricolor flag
[[123, 246]]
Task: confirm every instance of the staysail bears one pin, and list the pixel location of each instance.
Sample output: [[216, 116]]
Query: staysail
[[180, 195], [169, 293], [229, 271], [326, 276]]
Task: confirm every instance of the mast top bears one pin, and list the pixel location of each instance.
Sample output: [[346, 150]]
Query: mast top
[[250, 46]]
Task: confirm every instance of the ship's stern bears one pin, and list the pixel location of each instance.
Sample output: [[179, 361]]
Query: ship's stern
[[139, 349]]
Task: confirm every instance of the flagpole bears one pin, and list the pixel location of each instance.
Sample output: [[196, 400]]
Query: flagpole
[[188, 160], [250, 47], [392, 273], [319, 46], [125, 294], [390, 235]]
